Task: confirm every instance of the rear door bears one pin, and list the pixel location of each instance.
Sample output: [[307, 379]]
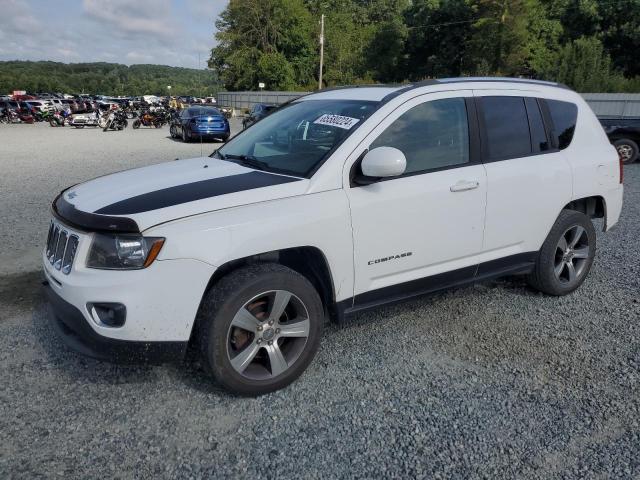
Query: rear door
[[529, 180]]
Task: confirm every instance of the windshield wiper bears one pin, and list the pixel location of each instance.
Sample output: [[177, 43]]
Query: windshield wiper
[[248, 161]]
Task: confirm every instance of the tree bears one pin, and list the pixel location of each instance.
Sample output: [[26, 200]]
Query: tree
[[584, 65], [251, 29]]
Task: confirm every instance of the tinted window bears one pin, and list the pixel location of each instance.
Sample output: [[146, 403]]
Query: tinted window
[[194, 112], [507, 127], [564, 116], [431, 135], [539, 141]]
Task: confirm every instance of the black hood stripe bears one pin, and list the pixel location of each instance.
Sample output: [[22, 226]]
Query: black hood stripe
[[189, 192]]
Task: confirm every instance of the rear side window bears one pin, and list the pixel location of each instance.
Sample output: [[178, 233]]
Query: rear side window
[[507, 127], [539, 142], [564, 116], [431, 135]]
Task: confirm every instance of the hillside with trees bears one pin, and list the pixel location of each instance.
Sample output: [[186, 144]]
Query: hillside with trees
[[105, 78], [588, 44]]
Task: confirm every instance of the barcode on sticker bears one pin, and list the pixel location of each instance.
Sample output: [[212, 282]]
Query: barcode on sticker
[[337, 121]]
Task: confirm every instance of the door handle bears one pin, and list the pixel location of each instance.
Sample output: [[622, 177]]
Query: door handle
[[463, 186]]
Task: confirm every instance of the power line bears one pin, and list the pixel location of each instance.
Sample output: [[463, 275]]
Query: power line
[[473, 20]]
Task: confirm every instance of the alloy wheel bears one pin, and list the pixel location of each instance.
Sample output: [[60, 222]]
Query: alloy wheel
[[572, 254], [268, 335], [625, 151]]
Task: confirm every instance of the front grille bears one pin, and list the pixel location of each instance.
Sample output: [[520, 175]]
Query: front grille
[[61, 248]]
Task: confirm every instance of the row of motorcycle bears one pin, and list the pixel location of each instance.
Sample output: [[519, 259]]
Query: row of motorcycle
[[111, 119]]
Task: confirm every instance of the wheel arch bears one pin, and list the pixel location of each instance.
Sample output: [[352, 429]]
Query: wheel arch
[[594, 207], [308, 261]]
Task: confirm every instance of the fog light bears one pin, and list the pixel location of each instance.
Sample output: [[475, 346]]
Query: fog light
[[108, 314]]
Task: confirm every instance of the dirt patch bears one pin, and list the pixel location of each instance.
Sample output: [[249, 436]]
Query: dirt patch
[[21, 290]]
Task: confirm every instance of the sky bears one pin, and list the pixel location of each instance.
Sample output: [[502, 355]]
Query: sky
[[166, 32]]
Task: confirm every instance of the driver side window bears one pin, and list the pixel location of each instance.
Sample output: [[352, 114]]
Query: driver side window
[[431, 135]]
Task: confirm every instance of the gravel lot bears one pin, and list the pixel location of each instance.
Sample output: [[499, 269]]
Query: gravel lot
[[490, 381]]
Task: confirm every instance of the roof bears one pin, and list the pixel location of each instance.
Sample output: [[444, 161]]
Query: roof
[[386, 92]]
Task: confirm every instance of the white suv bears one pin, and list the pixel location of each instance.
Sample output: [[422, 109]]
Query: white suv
[[338, 202]]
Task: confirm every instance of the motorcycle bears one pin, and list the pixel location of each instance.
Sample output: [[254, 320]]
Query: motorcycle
[[148, 119], [116, 120], [59, 118]]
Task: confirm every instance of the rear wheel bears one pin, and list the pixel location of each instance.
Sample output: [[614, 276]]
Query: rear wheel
[[185, 136], [136, 124], [627, 149], [259, 328], [566, 256]]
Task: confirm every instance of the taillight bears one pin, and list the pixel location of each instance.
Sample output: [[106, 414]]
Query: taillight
[[621, 168]]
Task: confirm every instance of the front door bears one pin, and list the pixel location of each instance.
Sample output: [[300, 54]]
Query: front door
[[422, 230]]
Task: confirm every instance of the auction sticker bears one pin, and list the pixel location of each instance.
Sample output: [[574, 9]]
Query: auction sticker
[[337, 121]]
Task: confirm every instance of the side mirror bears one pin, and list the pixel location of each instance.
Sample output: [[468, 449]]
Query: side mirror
[[383, 162]]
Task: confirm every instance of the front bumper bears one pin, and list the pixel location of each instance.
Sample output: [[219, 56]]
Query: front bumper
[[75, 331]]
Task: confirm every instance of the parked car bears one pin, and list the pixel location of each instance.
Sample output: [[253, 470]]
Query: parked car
[[199, 123], [624, 134], [257, 113], [372, 195]]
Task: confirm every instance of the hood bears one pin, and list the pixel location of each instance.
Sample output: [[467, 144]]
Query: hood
[[168, 191]]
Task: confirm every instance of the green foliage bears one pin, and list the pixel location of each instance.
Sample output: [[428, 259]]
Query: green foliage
[[583, 64], [105, 78], [585, 43], [281, 31]]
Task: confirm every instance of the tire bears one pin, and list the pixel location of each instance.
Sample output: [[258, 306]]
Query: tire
[[256, 286], [136, 124], [627, 149], [552, 273], [185, 137], [106, 126]]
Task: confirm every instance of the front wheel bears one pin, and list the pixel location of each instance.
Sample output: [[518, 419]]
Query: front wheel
[[136, 124], [566, 256], [185, 136], [259, 328], [627, 149]]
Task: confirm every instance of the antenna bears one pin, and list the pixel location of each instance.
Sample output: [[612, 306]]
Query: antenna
[[321, 50]]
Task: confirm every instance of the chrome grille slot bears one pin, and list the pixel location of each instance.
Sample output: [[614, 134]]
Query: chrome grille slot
[[69, 254], [62, 243], [61, 248], [54, 243]]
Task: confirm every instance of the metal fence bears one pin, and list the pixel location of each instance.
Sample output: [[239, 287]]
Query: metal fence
[[605, 105], [242, 100], [614, 105]]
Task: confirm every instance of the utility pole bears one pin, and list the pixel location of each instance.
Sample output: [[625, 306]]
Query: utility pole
[[321, 50]]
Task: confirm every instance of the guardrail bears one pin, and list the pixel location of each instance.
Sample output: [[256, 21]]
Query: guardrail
[[246, 100], [606, 105]]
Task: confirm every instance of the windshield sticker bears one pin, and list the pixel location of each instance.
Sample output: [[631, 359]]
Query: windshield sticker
[[337, 121]]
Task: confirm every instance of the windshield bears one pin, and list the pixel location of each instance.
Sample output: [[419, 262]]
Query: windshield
[[200, 111], [295, 139]]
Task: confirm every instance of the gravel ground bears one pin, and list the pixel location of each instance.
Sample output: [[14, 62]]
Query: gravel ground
[[490, 381]]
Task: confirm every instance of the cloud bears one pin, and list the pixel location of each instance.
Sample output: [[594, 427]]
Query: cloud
[[137, 18], [170, 32]]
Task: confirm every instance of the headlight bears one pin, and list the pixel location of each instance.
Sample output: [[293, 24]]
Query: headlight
[[123, 252]]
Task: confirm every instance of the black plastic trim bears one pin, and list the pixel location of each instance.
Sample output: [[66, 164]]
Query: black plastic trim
[[512, 265], [74, 330], [70, 215], [190, 192]]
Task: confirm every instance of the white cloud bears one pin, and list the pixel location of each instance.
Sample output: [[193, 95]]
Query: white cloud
[[169, 32]]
